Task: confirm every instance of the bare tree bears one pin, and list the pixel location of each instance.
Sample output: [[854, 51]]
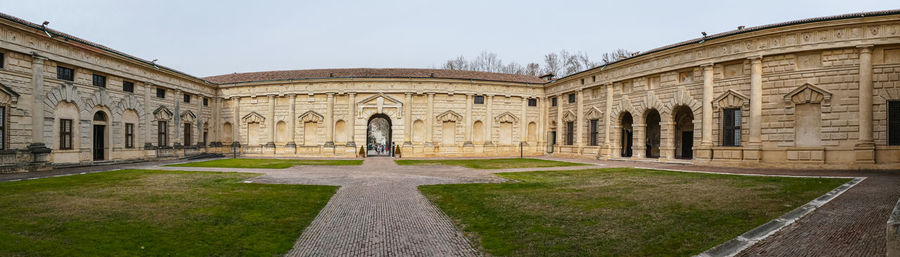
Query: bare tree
[[616, 55], [552, 63], [533, 69], [458, 63]]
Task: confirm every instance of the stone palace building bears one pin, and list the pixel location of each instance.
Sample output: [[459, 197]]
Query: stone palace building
[[812, 93]]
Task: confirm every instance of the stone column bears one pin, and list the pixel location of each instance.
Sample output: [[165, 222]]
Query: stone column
[[560, 128], [271, 123], [667, 137], [640, 138], [148, 117], [754, 142], [236, 125], [468, 120], [217, 116], [407, 120], [489, 121], [608, 120], [329, 122], [523, 121], [541, 114], [706, 139], [292, 121], [178, 126], [37, 146], [351, 119], [579, 120], [865, 145], [429, 121]]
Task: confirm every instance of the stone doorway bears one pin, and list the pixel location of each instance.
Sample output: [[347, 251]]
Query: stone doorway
[[627, 134], [684, 132], [378, 136], [651, 134], [99, 136]]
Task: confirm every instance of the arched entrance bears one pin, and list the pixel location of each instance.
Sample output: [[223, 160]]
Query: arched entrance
[[378, 135], [651, 134], [627, 134], [684, 132], [99, 148]]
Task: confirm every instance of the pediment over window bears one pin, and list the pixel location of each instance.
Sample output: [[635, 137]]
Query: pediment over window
[[380, 98], [506, 117], [449, 116], [569, 116], [311, 116], [188, 116], [253, 117], [731, 99], [7, 95], [593, 113], [162, 113], [809, 93]]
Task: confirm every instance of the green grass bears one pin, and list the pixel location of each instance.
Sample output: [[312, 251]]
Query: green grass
[[510, 163], [154, 213], [618, 212], [264, 163]]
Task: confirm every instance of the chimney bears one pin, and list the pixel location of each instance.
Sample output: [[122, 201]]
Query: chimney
[[547, 77]]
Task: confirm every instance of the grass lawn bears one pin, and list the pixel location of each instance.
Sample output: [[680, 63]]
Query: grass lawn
[[618, 212], [510, 163], [154, 213], [264, 163]]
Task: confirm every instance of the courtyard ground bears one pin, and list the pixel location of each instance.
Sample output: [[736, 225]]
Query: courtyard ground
[[264, 163], [154, 213], [509, 163], [378, 211]]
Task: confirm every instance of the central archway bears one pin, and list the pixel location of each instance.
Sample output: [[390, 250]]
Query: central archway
[[378, 135]]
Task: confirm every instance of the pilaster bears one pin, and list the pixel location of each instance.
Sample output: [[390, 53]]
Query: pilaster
[[329, 122], [865, 145]]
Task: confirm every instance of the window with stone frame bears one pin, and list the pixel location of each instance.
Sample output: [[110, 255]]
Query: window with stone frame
[[479, 99], [129, 135], [532, 102], [187, 98], [595, 131], [98, 80], [64, 73], [731, 127], [65, 134], [572, 98], [893, 122], [160, 93], [205, 101], [570, 133], [553, 101], [3, 122], [2, 60], [162, 136], [187, 134], [128, 86]]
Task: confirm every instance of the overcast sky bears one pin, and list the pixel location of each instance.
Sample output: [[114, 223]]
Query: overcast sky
[[206, 38]]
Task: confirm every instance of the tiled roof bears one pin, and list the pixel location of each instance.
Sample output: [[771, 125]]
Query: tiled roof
[[371, 73]]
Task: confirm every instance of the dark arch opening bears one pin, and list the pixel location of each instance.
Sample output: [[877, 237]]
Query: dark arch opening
[[684, 132], [378, 135], [627, 134], [652, 134]]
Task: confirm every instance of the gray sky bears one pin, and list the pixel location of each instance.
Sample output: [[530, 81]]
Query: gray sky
[[206, 38]]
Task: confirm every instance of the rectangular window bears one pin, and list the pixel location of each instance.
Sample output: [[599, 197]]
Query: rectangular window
[[2, 127], [160, 93], [553, 101], [187, 98], [571, 98], [582, 81], [532, 102], [594, 78], [129, 135], [2, 60], [187, 134], [162, 138], [64, 73], [731, 127], [99, 80], [894, 122], [570, 133], [65, 134], [205, 101], [594, 132], [479, 99], [128, 86]]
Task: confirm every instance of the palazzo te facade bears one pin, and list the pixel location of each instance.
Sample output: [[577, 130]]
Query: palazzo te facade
[[821, 92]]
